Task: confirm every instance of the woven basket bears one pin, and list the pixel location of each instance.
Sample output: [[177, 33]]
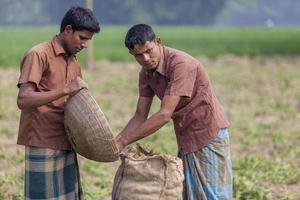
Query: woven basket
[[88, 130]]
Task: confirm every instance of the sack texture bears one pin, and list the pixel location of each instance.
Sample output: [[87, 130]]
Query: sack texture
[[147, 176], [88, 130]]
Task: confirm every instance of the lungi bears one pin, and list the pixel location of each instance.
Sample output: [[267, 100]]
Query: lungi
[[51, 174], [208, 172]]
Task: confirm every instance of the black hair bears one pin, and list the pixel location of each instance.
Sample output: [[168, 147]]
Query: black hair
[[81, 19], [139, 34]]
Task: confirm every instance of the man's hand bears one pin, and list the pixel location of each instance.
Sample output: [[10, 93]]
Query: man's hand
[[74, 86], [121, 144]]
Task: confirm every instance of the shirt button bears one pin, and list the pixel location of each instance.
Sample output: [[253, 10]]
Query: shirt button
[[180, 124]]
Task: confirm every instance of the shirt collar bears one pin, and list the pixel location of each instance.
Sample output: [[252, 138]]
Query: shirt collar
[[161, 65], [58, 49]]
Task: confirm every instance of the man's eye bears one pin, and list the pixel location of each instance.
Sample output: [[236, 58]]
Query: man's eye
[[83, 38]]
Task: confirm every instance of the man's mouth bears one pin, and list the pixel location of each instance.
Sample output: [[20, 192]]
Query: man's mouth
[[77, 50], [149, 64]]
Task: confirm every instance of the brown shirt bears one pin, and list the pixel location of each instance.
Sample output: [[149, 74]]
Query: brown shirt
[[49, 67], [199, 115]]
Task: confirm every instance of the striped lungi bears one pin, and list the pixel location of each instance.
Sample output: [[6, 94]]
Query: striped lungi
[[208, 172], [51, 174]]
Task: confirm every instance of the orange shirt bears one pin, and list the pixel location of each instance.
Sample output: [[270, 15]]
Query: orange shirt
[[198, 116], [49, 67]]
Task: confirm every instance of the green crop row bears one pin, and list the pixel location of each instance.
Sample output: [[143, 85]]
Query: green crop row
[[198, 41]]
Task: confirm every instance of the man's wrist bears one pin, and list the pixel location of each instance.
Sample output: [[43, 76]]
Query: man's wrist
[[122, 141]]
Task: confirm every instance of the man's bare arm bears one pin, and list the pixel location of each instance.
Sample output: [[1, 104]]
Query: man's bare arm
[[149, 126], [141, 115], [29, 97]]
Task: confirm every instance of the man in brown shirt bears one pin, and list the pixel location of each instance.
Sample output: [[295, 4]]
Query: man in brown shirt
[[50, 73], [187, 97]]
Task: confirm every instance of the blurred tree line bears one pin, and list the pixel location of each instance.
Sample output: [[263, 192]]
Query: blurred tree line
[[41, 12], [260, 13], [159, 12]]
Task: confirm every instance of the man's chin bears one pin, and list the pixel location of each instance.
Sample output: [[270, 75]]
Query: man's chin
[[70, 53], [73, 53], [149, 67]]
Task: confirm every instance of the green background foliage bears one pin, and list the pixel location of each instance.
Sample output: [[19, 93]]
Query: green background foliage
[[255, 73], [198, 41]]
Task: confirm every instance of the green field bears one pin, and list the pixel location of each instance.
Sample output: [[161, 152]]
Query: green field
[[260, 96], [258, 88], [197, 41]]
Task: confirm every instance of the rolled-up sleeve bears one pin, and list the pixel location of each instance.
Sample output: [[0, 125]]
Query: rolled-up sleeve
[[32, 67], [144, 89]]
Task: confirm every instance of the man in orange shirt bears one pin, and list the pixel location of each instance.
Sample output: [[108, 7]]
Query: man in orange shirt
[[50, 73], [187, 97]]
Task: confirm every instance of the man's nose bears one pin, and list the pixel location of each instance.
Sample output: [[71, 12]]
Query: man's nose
[[146, 56], [84, 44]]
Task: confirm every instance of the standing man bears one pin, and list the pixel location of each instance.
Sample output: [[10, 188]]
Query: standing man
[[50, 73], [187, 97]]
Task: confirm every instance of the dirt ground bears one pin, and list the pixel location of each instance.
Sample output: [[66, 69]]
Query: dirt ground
[[258, 94]]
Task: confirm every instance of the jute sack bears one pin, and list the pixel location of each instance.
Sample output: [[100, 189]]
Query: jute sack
[[87, 128], [143, 175]]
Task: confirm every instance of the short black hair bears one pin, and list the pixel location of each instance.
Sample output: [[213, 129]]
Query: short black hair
[[81, 19], [139, 34]]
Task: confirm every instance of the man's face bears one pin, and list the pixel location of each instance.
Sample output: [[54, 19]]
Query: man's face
[[147, 55], [75, 41]]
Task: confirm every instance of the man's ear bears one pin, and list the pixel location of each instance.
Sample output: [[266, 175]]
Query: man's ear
[[68, 29], [158, 41]]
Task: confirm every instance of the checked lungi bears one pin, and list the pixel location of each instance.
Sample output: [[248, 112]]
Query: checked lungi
[[208, 172], [51, 174]]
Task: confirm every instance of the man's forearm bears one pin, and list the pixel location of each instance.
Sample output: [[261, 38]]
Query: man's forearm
[[132, 125], [146, 128], [29, 97], [32, 99]]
